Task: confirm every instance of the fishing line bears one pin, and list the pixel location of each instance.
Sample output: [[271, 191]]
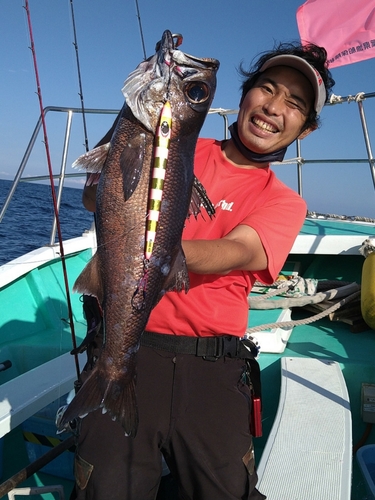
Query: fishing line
[[80, 93], [42, 114]]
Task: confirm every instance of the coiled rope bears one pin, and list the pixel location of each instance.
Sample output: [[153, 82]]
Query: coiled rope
[[349, 291]]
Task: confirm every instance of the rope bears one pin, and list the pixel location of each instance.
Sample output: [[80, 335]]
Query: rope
[[367, 247], [307, 321], [334, 99], [281, 285], [80, 93], [42, 114], [261, 303], [337, 99], [359, 97]]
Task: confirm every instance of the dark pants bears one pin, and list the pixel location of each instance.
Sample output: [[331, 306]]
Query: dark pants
[[194, 412]]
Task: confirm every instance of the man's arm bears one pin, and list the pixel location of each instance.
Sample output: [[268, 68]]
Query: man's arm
[[241, 249]]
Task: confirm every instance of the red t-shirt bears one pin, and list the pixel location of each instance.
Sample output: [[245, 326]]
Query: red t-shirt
[[217, 304]]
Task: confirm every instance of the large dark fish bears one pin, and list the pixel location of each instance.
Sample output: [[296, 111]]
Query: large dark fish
[[127, 285]]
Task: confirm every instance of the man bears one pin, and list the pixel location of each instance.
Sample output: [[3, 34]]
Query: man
[[193, 387]]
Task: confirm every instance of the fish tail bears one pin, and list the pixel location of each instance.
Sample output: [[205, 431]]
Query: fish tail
[[87, 399], [114, 396], [120, 402]]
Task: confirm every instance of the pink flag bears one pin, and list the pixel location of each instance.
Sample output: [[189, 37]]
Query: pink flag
[[345, 28]]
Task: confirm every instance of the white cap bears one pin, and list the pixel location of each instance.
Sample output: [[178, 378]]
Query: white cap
[[306, 69]]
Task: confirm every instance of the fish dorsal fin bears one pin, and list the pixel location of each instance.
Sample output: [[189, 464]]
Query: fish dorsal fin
[[93, 161], [131, 162], [199, 198]]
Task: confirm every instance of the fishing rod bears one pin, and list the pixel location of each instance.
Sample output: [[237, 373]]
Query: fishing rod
[[62, 253], [140, 29], [80, 93], [35, 466]]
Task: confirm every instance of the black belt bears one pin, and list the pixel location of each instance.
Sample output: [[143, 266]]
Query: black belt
[[206, 347]]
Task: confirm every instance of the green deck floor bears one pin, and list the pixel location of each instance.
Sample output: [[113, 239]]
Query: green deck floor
[[324, 339]]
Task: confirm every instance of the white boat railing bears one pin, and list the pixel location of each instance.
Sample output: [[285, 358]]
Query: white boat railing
[[28, 393], [299, 160], [62, 175], [358, 98]]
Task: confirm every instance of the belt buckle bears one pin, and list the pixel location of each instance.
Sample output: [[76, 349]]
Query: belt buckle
[[216, 351], [225, 345], [230, 346]]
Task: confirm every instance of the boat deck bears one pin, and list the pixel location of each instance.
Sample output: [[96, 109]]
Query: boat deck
[[327, 340], [312, 432], [331, 341]]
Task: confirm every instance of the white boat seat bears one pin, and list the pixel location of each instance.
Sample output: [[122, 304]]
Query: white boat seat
[[23, 396], [308, 455]]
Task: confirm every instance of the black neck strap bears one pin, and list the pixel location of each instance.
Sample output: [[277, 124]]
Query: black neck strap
[[250, 155]]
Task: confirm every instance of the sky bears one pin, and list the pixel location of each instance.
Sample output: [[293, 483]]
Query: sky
[[110, 47]]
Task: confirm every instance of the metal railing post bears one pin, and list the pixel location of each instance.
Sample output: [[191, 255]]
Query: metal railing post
[[299, 167], [62, 172], [21, 168], [371, 159]]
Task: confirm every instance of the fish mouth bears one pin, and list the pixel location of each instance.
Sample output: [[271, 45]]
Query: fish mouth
[[147, 88], [164, 49]]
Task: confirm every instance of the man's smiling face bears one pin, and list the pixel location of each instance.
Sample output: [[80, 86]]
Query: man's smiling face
[[274, 111]]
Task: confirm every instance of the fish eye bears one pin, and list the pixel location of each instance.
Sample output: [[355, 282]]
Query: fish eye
[[197, 92]]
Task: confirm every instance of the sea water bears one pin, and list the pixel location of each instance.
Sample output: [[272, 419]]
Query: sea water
[[28, 220]]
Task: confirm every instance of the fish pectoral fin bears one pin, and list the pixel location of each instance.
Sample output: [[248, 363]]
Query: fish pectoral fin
[[199, 198], [89, 281], [178, 276], [131, 163], [93, 161]]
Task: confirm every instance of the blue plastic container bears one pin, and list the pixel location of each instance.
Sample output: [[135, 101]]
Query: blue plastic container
[[366, 462]]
